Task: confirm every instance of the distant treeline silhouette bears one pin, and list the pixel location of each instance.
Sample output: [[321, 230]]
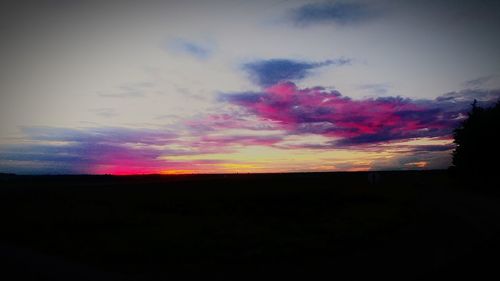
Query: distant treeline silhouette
[[477, 142]]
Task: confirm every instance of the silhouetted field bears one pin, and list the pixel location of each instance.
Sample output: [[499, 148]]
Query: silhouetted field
[[406, 225]]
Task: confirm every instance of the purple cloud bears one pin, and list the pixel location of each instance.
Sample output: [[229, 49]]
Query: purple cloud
[[357, 122], [269, 72]]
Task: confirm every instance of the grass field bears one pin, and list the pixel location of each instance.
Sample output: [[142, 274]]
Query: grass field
[[311, 226]]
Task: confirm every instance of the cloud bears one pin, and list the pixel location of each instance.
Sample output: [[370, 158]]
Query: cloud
[[482, 96], [128, 94], [106, 112], [195, 49], [479, 82], [400, 148], [109, 135], [378, 89], [82, 157], [226, 119], [414, 161], [341, 13], [97, 158], [269, 72], [244, 140], [89, 150], [276, 117], [425, 148], [356, 122], [110, 150], [130, 90]]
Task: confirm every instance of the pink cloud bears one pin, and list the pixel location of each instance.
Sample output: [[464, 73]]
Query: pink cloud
[[353, 122]]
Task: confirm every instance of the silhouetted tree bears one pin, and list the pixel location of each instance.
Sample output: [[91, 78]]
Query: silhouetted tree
[[478, 141]]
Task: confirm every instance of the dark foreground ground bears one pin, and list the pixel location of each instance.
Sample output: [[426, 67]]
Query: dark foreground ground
[[408, 225]]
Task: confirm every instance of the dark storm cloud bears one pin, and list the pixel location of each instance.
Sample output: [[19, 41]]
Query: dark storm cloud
[[269, 72]]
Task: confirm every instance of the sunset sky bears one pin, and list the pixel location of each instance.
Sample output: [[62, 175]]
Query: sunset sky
[[139, 87]]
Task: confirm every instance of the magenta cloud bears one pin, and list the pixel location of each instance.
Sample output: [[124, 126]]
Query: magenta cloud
[[349, 121]]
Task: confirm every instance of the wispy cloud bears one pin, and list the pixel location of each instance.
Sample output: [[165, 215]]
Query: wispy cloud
[[225, 121], [483, 82], [125, 94], [482, 96], [106, 112], [269, 72], [243, 140], [130, 90], [331, 12], [192, 48], [378, 89], [99, 135]]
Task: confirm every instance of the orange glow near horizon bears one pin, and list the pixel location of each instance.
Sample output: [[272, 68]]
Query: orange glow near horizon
[[179, 172], [262, 159], [421, 164]]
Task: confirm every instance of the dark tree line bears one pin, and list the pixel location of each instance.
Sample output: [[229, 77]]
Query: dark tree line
[[477, 142]]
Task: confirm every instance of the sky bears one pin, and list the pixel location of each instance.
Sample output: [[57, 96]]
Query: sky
[[174, 87]]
